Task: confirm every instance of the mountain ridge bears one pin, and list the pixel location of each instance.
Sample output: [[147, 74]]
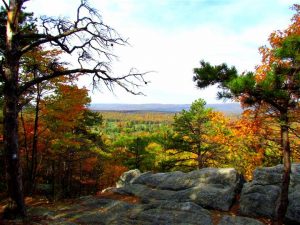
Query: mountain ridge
[[228, 108]]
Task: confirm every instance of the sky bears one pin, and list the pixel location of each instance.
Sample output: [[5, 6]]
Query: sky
[[170, 37]]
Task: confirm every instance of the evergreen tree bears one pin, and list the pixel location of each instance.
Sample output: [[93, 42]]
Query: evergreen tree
[[275, 85]]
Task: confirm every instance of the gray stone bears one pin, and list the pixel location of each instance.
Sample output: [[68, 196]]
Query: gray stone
[[273, 175], [154, 180], [261, 196], [295, 175], [238, 220], [224, 176], [268, 175], [107, 211], [208, 187], [174, 213], [128, 177], [293, 212], [147, 194], [209, 196], [121, 213], [178, 180], [259, 200]]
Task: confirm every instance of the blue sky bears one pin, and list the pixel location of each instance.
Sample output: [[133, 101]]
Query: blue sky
[[172, 36], [184, 14]]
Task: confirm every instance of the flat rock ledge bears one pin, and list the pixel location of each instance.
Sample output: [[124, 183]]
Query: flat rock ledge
[[97, 211], [211, 188]]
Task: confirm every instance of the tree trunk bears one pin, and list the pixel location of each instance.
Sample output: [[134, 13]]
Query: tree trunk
[[35, 142], [285, 144], [53, 179], [11, 149], [26, 149], [10, 109], [80, 177], [199, 157]]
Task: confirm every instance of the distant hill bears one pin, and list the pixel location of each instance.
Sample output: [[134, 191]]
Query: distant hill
[[228, 108]]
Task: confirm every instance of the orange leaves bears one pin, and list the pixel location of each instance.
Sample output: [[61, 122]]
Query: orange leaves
[[89, 164], [245, 125], [245, 143], [294, 28], [276, 40], [39, 61], [66, 107], [267, 58], [111, 174]]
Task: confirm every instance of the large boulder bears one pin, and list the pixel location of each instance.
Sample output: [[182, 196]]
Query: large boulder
[[212, 196], [208, 187], [293, 212], [261, 196], [179, 181], [259, 200]]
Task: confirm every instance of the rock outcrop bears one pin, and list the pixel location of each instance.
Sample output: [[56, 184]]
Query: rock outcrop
[[209, 187], [179, 198], [91, 210], [260, 197]]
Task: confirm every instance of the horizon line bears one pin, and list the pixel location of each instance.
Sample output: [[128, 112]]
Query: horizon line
[[162, 103]]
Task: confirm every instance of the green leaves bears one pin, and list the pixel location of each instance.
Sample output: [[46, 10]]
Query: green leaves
[[194, 131], [207, 75], [241, 84], [290, 49], [222, 75]]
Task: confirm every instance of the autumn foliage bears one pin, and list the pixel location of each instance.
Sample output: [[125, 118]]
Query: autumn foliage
[[67, 150]]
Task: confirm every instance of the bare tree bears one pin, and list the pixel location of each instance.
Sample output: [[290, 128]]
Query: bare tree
[[87, 38]]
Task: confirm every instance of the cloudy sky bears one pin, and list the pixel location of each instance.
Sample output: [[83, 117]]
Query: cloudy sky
[[170, 37]]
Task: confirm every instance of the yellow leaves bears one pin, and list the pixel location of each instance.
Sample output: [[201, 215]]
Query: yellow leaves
[[261, 72], [154, 147], [244, 145], [186, 138], [140, 117]]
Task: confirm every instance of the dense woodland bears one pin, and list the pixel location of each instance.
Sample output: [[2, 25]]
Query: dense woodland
[[53, 145], [72, 151], [80, 152]]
